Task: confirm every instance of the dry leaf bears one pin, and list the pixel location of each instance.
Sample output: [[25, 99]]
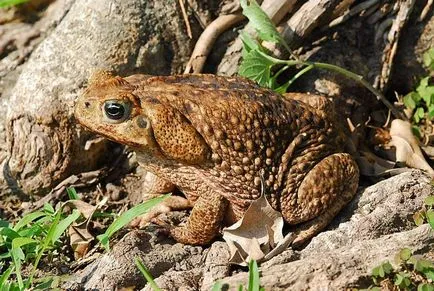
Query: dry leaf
[[257, 235], [79, 235], [407, 147]]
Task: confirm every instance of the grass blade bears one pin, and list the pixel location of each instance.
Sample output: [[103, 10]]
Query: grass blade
[[127, 217], [146, 274], [253, 276]]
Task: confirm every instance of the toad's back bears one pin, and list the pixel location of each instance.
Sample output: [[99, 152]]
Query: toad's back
[[214, 137]]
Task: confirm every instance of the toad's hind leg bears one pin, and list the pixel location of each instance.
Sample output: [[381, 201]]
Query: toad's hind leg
[[325, 190], [204, 222]]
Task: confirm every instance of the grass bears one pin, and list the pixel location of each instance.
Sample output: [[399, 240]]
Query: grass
[[37, 235]]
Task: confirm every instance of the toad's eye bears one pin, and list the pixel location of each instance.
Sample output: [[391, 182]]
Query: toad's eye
[[116, 111]]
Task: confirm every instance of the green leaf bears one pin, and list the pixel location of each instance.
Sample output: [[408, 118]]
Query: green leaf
[[64, 224], [253, 276], [127, 217], [72, 194], [419, 218], [249, 44], [5, 276], [409, 101], [429, 200], [418, 114], [427, 60], [28, 218], [146, 274], [405, 254], [49, 208], [218, 286], [256, 67], [425, 287], [261, 22], [429, 273], [402, 280], [430, 217], [431, 111], [8, 3]]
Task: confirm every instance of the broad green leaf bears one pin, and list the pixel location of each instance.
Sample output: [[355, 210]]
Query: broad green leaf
[[218, 286], [425, 287], [429, 200], [146, 274], [422, 264], [402, 280], [405, 254], [423, 84], [253, 276], [8, 3], [249, 44], [64, 224], [4, 223], [427, 60], [409, 101], [431, 111], [261, 22], [9, 233], [430, 217], [429, 273], [127, 217], [28, 218], [418, 114], [257, 67]]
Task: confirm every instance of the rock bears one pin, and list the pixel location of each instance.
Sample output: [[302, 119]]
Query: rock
[[43, 142], [341, 268], [371, 229]]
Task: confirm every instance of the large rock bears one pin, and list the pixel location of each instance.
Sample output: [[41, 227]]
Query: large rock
[[372, 228]]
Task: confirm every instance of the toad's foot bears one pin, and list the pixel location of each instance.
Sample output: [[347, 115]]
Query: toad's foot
[[204, 222]]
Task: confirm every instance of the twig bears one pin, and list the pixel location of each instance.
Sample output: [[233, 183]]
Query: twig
[[207, 39], [184, 14], [425, 10], [353, 11]]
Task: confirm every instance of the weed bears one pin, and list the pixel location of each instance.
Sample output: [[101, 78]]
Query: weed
[[413, 272]]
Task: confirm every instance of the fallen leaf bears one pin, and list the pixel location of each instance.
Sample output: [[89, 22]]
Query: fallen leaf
[[407, 147], [257, 235], [79, 236]]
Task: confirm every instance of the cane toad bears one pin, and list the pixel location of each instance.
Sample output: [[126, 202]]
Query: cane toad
[[213, 137]]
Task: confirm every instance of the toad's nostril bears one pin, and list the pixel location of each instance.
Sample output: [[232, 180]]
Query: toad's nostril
[[87, 104]]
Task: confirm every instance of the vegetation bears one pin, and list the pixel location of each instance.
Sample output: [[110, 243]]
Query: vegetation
[[9, 3], [34, 235], [421, 101], [412, 273], [38, 235], [426, 215]]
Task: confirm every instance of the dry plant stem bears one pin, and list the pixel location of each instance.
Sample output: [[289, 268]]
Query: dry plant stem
[[207, 39], [425, 10], [353, 11], [184, 14], [389, 52], [276, 10], [303, 22]]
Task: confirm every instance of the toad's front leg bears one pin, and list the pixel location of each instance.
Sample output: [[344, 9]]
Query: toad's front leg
[[204, 222]]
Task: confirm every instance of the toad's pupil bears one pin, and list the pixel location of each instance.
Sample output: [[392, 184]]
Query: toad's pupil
[[114, 110]]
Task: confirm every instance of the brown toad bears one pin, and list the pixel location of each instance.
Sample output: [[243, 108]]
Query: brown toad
[[213, 136]]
